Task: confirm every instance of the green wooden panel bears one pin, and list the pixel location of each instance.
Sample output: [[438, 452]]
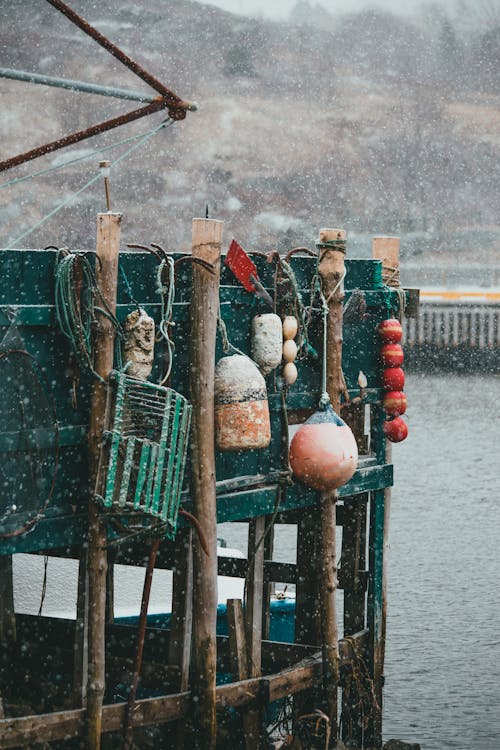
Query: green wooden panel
[[27, 288]]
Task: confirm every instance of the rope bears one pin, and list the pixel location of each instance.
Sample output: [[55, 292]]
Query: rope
[[75, 292], [167, 293], [226, 344], [90, 155], [324, 400], [44, 219]]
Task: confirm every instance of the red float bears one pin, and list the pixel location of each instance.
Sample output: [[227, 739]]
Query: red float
[[393, 379], [323, 452], [394, 403], [392, 355], [390, 331], [395, 430]]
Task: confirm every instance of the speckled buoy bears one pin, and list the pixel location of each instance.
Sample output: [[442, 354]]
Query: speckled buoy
[[139, 344], [241, 408], [323, 452], [267, 341]]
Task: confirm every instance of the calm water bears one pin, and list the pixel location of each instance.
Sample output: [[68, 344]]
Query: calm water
[[443, 648]]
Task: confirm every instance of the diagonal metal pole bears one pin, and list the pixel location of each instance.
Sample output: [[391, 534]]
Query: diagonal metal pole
[[174, 102], [81, 135]]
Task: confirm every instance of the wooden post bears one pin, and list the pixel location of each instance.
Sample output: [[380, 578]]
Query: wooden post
[[238, 650], [106, 273], [385, 249], [181, 623], [206, 242], [7, 615], [331, 271]]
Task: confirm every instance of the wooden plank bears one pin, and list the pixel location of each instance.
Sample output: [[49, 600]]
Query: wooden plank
[[252, 718], [70, 724], [353, 561], [373, 733], [106, 274], [206, 245], [331, 270], [7, 613]]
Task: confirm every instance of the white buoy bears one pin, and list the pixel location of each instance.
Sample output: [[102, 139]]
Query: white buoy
[[241, 408], [290, 327], [267, 341]]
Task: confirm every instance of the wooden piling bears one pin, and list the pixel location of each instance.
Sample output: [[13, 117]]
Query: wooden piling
[[387, 250], [331, 248], [206, 245], [106, 273]]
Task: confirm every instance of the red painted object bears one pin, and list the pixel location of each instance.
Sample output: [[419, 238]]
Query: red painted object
[[392, 355], [394, 403], [323, 452], [390, 331], [395, 430], [393, 379]]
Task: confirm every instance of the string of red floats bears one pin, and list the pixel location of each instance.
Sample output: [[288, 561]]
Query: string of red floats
[[394, 402]]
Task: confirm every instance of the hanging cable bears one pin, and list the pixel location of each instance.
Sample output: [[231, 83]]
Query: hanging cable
[[43, 220], [90, 155]]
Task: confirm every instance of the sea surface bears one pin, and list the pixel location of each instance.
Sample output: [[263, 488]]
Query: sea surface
[[442, 667]]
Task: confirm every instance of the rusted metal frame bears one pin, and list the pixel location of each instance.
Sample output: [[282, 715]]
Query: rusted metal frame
[[148, 580], [80, 86], [81, 135], [175, 104]]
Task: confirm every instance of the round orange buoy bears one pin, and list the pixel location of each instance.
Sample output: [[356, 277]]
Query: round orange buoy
[[393, 379], [395, 430], [390, 331], [392, 355], [241, 407], [323, 452], [394, 403]]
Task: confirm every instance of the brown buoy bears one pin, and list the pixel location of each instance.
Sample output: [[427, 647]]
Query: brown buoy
[[241, 407]]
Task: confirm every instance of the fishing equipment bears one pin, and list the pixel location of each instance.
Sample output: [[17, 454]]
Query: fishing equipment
[[290, 350], [147, 450], [392, 355], [290, 327], [393, 379], [245, 271], [290, 373], [390, 331], [395, 430], [394, 403], [266, 341], [139, 343], [323, 452], [241, 408], [30, 438]]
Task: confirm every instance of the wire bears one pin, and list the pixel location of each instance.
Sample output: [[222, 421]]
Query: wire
[[90, 155], [146, 137]]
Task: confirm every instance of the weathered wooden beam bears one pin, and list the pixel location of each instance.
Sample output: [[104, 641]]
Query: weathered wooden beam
[[206, 246], [331, 269], [67, 725], [106, 274]]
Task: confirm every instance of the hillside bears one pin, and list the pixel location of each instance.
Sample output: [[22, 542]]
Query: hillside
[[369, 121]]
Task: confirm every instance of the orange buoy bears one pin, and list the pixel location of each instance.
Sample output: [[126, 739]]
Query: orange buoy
[[323, 452], [394, 403], [241, 407]]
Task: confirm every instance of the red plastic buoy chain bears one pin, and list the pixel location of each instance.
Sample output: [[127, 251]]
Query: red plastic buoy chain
[[390, 331], [395, 430], [393, 379]]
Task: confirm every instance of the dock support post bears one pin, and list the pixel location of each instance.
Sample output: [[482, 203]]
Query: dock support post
[[106, 274], [206, 242], [331, 249]]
